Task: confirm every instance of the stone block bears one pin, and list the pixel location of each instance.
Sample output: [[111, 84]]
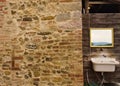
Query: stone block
[[72, 24], [56, 79], [63, 17], [48, 18], [69, 7], [65, 0]]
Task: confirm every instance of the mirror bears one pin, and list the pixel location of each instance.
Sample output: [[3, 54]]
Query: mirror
[[101, 37]]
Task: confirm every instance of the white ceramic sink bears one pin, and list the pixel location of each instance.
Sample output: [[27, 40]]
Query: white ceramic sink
[[102, 64]]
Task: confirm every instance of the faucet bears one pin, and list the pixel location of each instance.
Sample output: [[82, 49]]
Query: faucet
[[104, 55]]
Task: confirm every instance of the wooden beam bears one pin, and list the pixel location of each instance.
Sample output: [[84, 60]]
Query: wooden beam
[[86, 6], [99, 2]]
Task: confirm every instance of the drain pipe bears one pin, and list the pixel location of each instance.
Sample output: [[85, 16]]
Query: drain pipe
[[103, 80], [88, 77]]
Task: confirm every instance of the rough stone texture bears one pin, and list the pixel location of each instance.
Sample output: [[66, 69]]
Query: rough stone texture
[[41, 43], [97, 20]]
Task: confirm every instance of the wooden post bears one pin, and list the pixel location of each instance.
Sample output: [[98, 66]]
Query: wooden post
[[86, 6]]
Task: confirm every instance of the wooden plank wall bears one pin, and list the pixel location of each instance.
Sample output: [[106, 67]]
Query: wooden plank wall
[[101, 20]]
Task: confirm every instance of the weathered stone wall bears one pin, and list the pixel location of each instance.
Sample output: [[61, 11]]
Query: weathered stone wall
[[40, 43], [101, 20]]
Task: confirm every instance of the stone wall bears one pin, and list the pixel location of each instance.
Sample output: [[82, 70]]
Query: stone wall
[[101, 20], [40, 43]]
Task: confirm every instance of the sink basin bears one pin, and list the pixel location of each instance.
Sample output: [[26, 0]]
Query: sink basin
[[102, 64]]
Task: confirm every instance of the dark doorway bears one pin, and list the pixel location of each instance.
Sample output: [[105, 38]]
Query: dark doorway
[[104, 8]]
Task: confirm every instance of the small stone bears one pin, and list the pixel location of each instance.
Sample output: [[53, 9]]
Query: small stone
[[60, 31], [49, 59], [30, 74], [65, 0], [36, 73], [45, 78], [7, 72], [44, 33], [26, 39], [44, 37], [26, 76], [51, 84], [6, 77], [48, 18], [36, 84], [26, 53], [22, 7], [5, 66], [58, 71], [13, 12], [1, 59], [57, 79], [17, 73], [43, 61], [22, 28], [49, 46], [30, 59], [9, 22], [27, 19], [35, 18], [34, 4], [31, 46]]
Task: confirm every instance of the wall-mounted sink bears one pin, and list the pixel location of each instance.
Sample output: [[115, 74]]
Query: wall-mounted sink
[[102, 64]]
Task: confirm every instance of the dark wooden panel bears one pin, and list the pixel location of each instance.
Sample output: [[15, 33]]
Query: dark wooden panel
[[103, 20]]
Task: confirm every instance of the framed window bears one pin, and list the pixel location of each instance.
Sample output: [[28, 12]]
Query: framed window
[[101, 37]]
